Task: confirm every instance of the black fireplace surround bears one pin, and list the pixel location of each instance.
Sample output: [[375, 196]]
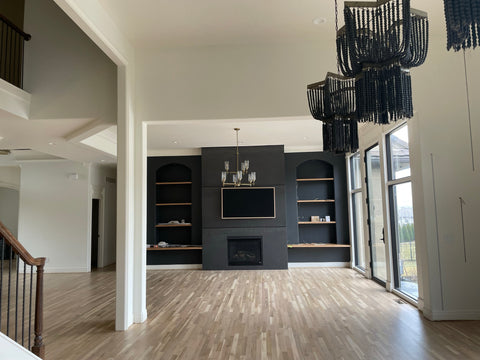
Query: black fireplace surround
[[244, 250]]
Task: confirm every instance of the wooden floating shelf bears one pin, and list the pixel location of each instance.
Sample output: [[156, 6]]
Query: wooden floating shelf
[[318, 245], [316, 179], [199, 247], [173, 204], [172, 225], [315, 201], [316, 222], [174, 183]]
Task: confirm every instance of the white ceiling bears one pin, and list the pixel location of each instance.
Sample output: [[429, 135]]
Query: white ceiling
[[167, 23], [188, 137], [159, 23], [186, 23]]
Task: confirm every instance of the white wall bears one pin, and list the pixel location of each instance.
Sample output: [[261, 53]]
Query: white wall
[[103, 181], [67, 74], [240, 81], [54, 217], [444, 136], [442, 172]]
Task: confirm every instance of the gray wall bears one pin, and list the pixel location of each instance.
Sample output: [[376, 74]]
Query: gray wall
[[9, 209]]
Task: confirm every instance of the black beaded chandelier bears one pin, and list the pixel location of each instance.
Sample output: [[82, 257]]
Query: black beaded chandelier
[[378, 45], [333, 102], [463, 23]]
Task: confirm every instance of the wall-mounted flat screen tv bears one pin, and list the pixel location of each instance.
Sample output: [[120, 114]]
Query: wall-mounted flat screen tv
[[248, 203]]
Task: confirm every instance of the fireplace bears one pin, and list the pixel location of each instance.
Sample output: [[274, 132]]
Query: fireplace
[[245, 250]]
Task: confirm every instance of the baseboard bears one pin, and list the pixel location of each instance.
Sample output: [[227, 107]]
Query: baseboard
[[292, 265], [451, 314], [175, 267], [140, 318], [54, 270]]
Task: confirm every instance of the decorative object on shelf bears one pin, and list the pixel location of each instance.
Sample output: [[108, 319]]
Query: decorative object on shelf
[[463, 23], [240, 172], [314, 218]]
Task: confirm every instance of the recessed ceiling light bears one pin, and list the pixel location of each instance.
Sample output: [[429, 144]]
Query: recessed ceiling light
[[102, 160], [319, 20], [51, 143], [175, 141]]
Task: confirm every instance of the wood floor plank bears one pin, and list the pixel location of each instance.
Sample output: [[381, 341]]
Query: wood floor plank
[[300, 313]]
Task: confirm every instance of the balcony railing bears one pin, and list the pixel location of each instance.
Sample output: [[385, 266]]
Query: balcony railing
[[12, 40], [21, 294]]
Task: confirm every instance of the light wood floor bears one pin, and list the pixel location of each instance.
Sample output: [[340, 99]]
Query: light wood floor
[[294, 314]]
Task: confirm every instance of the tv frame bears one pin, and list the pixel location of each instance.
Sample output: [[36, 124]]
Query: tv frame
[[245, 217]]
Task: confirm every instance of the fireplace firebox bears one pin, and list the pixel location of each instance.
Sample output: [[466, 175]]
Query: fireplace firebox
[[244, 250]]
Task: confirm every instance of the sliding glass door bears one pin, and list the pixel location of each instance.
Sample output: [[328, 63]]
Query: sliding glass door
[[375, 214]]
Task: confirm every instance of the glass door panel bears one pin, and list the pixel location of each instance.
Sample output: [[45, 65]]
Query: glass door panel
[[358, 230], [375, 214], [406, 267]]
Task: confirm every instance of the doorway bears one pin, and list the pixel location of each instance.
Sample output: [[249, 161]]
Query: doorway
[[95, 233], [375, 214]]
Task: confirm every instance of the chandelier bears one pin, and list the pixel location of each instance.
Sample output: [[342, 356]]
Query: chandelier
[[378, 45], [463, 23], [240, 173], [333, 102]]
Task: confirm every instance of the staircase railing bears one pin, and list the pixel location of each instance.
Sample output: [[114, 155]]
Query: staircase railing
[[18, 285], [12, 40]]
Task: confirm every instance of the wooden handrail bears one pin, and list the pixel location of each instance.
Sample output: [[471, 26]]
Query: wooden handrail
[[19, 249], [15, 27], [38, 347]]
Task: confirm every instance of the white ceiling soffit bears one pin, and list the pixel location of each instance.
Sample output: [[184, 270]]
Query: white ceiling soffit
[[166, 23], [104, 141], [187, 137]]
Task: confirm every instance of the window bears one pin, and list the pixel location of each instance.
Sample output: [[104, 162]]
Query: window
[[357, 210], [401, 212]]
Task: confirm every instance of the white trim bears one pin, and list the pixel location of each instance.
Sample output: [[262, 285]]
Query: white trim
[[14, 100], [14, 351], [451, 315], [175, 267], [292, 265], [10, 186], [82, 269], [360, 271], [405, 297]]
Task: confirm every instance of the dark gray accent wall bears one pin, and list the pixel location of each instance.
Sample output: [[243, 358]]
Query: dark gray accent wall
[[269, 164], [292, 161]]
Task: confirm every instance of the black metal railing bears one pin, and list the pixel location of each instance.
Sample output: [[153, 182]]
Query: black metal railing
[[20, 291], [12, 40]]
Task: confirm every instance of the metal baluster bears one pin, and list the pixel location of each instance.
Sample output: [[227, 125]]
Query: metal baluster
[[3, 59], [1, 278], [8, 293], [17, 59], [23, 305], [30, 310], [17, 260], [7, 62]]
